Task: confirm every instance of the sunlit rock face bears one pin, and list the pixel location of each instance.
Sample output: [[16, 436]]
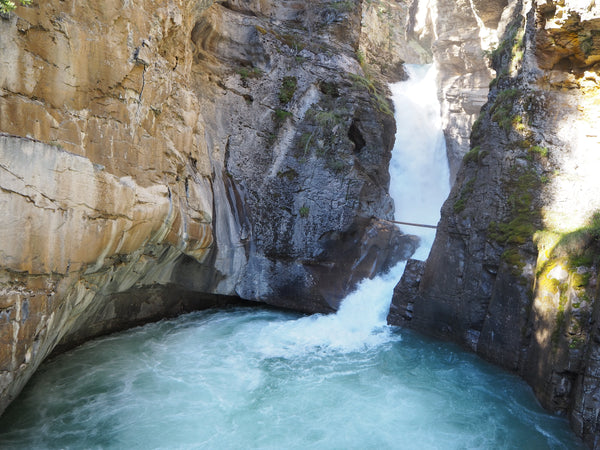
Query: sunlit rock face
[[465, 32], [160, 157], [395, 32], [513, 271]]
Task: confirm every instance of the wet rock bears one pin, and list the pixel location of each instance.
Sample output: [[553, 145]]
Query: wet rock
[[405, 292]]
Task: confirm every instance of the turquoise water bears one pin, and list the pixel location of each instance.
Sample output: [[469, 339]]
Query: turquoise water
[[253, 378], [246, 378]]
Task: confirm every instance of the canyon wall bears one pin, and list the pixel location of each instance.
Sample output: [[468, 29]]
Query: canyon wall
[[158, 157], [513, 273]]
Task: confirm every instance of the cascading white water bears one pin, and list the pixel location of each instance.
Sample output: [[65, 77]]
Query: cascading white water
[[249, 378], [419, 165]]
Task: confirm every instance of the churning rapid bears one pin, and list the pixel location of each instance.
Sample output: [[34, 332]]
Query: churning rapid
[[252, 378]]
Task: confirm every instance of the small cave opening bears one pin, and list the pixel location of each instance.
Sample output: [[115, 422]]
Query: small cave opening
[[356, 136]]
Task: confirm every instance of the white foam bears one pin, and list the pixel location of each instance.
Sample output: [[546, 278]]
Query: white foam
[[419, 166]]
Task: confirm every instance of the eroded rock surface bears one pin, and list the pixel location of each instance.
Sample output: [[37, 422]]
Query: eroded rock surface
[[158, 157]]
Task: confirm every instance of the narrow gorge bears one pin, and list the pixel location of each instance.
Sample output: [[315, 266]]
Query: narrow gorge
[[163, 157]]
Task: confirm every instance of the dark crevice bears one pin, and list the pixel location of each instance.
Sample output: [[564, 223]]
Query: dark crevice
[[356, 136]]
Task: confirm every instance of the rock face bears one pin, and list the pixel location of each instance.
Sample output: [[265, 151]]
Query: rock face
[[513, 273], [465, 30], [157, 157], [395, 32]]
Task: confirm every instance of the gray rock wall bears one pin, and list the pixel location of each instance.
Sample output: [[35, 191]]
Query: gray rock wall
[[513, 270]]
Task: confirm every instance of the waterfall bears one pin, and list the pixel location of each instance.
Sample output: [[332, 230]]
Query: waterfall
[[420, 176], [259, 378], [419, 185]]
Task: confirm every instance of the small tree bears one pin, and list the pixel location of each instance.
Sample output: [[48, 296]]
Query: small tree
[[7, 6]]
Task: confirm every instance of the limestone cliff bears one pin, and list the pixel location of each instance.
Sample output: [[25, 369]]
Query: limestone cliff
[[514, 267], [394, 33], [157, 157]]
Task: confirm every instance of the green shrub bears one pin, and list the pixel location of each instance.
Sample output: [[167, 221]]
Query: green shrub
[[288, 89], [281, 114], [7, 6]]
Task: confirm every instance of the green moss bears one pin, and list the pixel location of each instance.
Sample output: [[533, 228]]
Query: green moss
[[517, 123], [510, 49], [329, 118], [524, 217], [260, 29], [459, 205], [576, 342], [580, 279], [380, 100], [502, 109], [289, 174], [329, 88], [280, 115], [472, 155], [540, 151], [304, 211], [582, 246], [271, 138], [287, 89], [466, 191], [344, 5], [291, 41], [513, 258], [476, 130], [249, 72], [336, 164], [56, 144], [585, 259], [360, 56]]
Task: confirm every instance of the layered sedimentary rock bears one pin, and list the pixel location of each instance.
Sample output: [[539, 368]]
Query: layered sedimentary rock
[[465, 32], [394, 33], [513, 272], [157, 157]]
